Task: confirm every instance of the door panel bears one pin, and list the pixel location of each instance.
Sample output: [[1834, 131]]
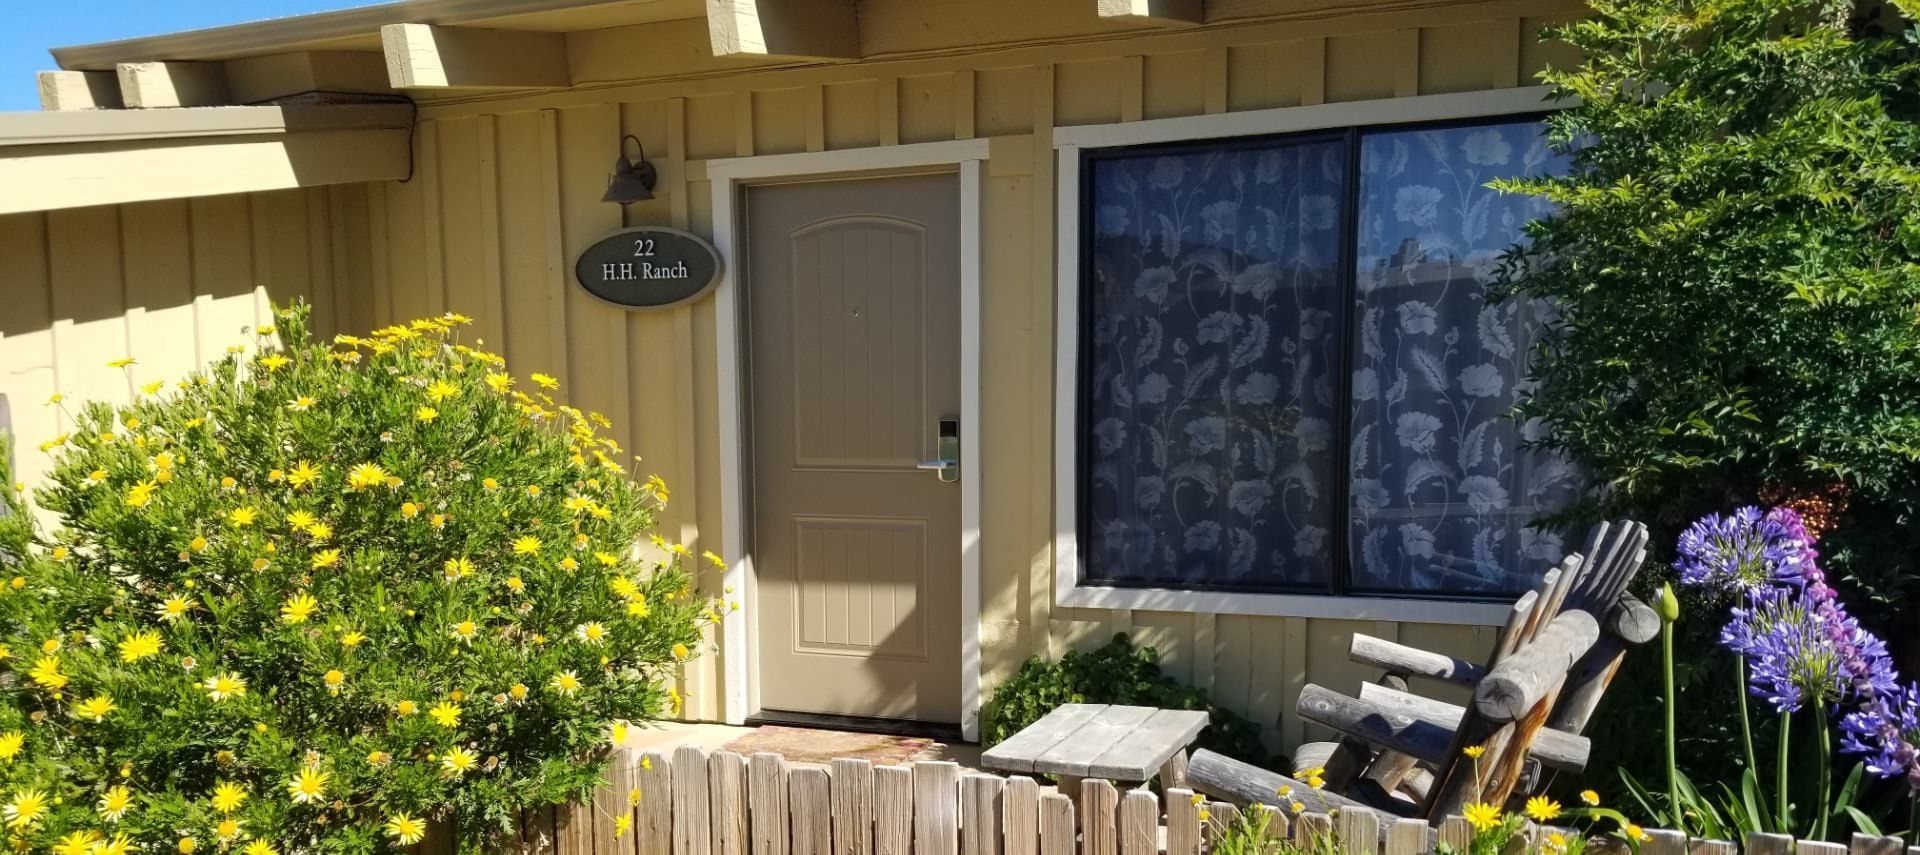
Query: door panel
[[853, 317]]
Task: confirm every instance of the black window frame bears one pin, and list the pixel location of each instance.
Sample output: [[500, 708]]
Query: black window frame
[[1340, 573]]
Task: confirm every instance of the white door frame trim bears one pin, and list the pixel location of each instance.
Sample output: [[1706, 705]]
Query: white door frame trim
[[739, 660]]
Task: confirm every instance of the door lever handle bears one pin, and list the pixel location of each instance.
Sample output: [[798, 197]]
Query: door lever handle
[[946, 441]]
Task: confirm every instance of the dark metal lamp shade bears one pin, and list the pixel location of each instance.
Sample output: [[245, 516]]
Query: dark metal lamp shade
[[632, 180]]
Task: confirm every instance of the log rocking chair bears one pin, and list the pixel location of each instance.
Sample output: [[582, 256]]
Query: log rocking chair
[[1408, 755]]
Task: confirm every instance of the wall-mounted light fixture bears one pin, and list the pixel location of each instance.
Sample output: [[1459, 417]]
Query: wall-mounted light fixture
[[632, 180]]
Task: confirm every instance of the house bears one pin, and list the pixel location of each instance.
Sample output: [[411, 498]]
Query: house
[[1025, 322]]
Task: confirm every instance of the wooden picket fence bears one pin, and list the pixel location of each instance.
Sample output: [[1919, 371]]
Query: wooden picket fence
[[693, 802]]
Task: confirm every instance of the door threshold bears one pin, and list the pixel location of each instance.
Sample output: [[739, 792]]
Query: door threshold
[[938, 731]]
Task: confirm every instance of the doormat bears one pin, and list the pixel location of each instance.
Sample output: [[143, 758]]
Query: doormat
[[806, 745]]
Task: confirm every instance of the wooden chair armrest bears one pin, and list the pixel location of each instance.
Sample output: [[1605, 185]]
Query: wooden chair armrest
[[1564, 751], [1525, 678], [1397, 658]]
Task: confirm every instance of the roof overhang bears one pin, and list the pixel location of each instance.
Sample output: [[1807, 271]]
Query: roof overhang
[[78, 159]]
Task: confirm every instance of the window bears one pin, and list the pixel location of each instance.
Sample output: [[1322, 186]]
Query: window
[[1290, 379]]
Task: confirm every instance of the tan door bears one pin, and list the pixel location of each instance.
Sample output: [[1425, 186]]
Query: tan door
[[854, 308]]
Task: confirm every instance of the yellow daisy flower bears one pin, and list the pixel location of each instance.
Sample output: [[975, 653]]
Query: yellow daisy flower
[[114, 803], [46, 672], [174, 607], [80, 842], [545, 381], [526, 545], [366, 475], [242, 517], [300, 606], [456, 569], [140, 494], [95, 708], [406, 830], [457, 761], [228, 796], [303, 474], [446, 714], [11, 743], [1542, 809], [566, 683], [1482, 816], [139, 645], [227, 685], [27, 807], [425, 414], [309, 785]]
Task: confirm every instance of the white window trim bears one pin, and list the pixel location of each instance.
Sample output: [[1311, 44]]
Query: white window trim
[[740, 652], [1069, 591]]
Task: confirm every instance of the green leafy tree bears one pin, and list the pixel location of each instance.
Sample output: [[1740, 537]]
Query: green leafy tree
[[1734, 260]]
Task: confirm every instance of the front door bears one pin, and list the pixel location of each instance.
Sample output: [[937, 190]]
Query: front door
[[853, 292]]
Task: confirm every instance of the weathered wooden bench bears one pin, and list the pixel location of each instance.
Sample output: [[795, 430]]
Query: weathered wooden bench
[[1405, 753]]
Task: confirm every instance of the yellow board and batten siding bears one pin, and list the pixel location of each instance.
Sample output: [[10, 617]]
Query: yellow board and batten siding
[[173, 283], [507, 189], [518, 181]]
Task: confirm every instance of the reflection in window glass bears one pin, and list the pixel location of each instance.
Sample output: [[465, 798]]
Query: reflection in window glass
[[1211, 400], [1441, 492]]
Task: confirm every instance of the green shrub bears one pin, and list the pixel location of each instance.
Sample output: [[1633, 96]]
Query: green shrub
[[1114, 673], [309, 598], [1736, 256], [1737, 259]]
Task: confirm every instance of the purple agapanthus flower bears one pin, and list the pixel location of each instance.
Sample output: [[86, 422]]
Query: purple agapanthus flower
[[1744, 550], [1804, 650], [1886, 731]]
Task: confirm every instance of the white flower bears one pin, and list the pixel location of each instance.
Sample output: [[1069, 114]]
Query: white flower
[[1417, 318], [1309, 540], [1207, 434], [1153, 389], [1112, 434], [1366, 385], [1216, 327], [1259, 388], [1415, 431], [1202, 536], [1482, 380], [1167, 173], [1486, 147], [1418, 204], [1152, 283], [1485, 495], [1221, 218], [1314, 434], [1416, 541], [1540, 545], [1317, 212], [1249, 498], [1370, 495], [1147, 492], [1112, 220]]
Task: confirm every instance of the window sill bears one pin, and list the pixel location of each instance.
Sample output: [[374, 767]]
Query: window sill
[[1400, 609]]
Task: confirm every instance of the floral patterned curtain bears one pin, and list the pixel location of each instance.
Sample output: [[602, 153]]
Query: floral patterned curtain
[[1442, 492], [1215, 347]]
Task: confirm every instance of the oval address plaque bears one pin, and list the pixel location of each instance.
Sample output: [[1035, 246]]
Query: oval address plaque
[[648, 268]]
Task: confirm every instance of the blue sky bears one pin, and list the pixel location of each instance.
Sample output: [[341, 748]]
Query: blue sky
[[32, 26]]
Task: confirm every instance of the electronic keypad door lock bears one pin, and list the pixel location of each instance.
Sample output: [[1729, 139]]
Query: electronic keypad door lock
[[946, 444]]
